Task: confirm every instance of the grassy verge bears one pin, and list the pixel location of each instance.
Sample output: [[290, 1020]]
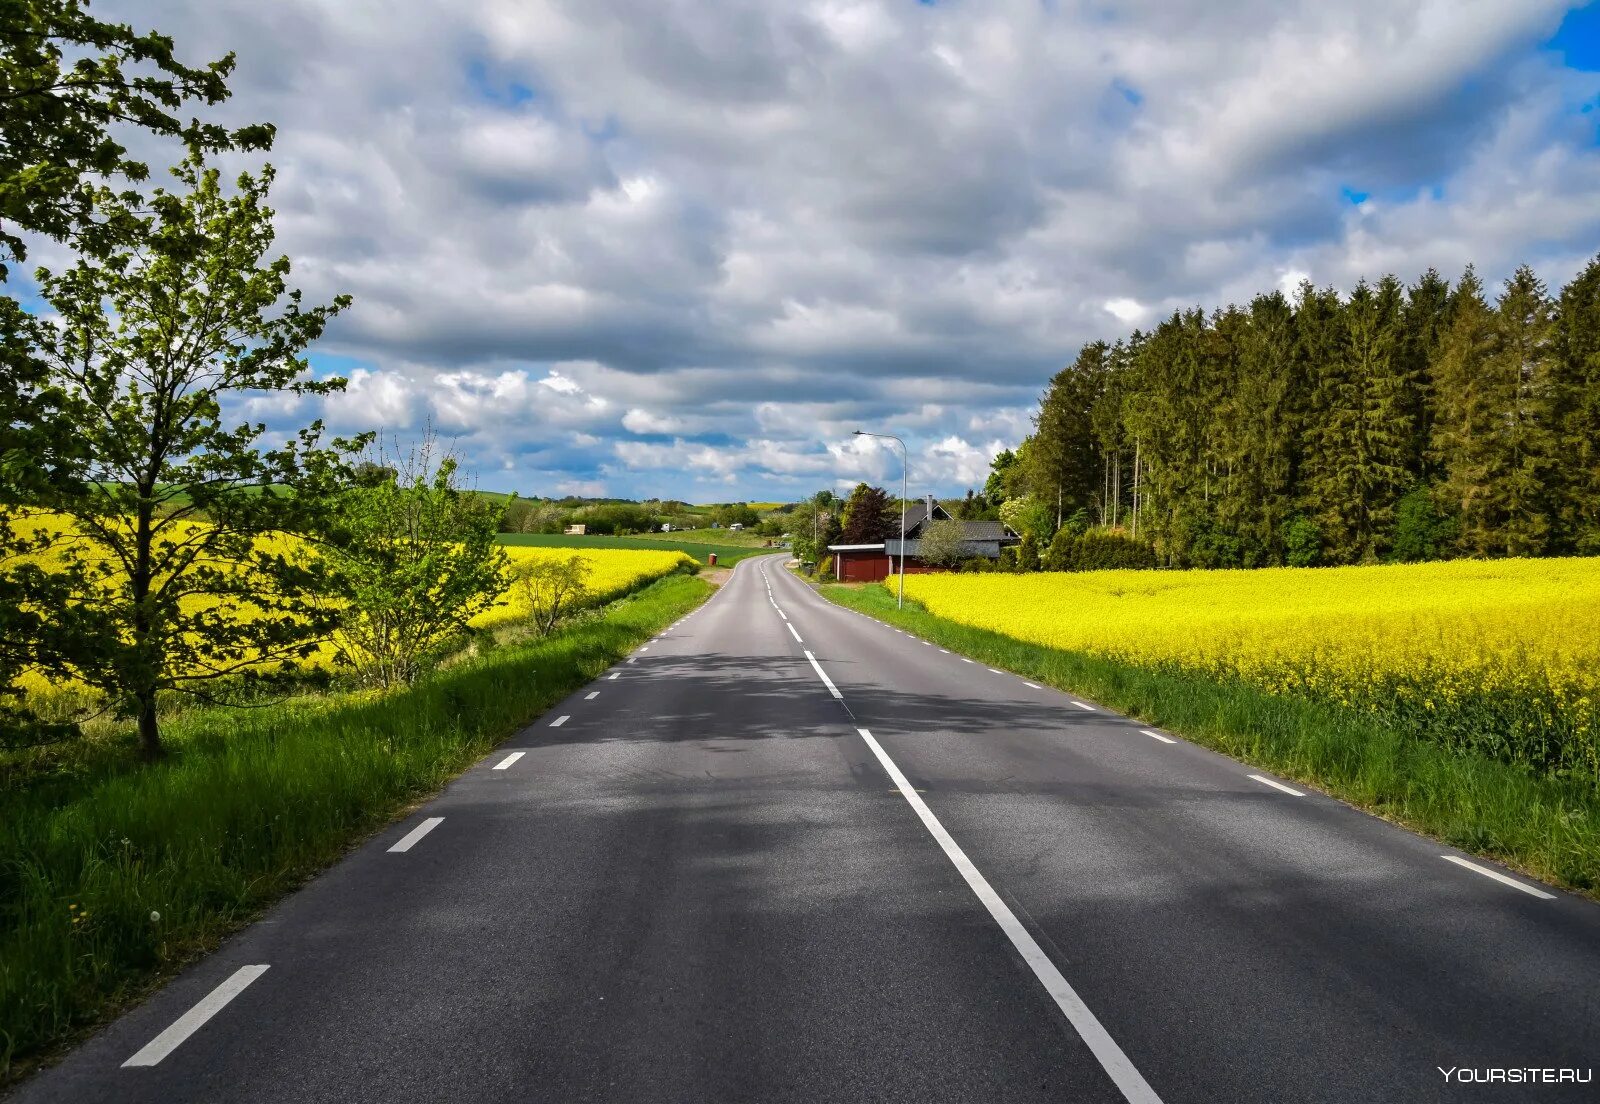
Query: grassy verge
[[110, 881], [727, 554], [1548, 827]]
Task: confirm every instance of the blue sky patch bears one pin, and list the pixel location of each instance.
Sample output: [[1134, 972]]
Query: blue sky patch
[[1578, 39]]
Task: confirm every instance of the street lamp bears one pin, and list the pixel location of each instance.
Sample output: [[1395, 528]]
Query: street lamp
[[905, 467]]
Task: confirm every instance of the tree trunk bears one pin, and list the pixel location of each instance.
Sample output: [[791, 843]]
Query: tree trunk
[[139, 584], [149, 732]]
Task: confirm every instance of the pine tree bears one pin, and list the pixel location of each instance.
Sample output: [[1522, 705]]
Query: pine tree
[[1578, 361], [1466, 416], [1524, 364], [1062, 463], [1423, 321]]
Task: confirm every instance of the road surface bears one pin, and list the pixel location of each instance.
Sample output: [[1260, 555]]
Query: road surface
[[787, 853]]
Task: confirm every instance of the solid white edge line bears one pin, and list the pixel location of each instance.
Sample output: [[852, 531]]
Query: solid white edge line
[[1100, 1043], [192, 1020], [591, 695], [792, 633], [561, 720], [410, 839], [1277, 785], [1499, 877], [823, 675], [508, 760], [1158, 736]]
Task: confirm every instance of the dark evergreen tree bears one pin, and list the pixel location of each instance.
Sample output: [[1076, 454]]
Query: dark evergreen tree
[[1577, 351], [869, 516]]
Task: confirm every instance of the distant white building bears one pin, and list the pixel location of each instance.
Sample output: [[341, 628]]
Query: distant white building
[[736, 526]]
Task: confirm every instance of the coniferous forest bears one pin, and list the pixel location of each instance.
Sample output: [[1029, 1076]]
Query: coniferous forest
[[1399, 423]]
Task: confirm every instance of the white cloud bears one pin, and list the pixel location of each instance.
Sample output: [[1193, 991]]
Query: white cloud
[[751, 227], [1125, 310]]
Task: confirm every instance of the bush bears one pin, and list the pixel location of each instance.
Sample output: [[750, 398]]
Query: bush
[[1028, 553], [1302, 542], [1097, 550], [1421, 531], [976, 564]]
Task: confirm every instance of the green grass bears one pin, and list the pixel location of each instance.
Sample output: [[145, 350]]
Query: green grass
[[248, 804], [1549, 827], [666, 542]]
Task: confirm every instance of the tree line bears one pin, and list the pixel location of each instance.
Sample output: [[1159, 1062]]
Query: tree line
[[1395, 423]]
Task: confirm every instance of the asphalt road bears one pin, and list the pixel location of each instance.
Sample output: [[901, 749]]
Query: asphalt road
[[788, 853]]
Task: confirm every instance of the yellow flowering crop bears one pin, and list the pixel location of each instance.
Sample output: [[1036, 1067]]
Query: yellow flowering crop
[[1503, 655], [612, 571]]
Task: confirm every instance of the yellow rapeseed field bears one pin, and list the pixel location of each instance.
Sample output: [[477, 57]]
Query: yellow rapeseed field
[[612, 572], [1501, 654]]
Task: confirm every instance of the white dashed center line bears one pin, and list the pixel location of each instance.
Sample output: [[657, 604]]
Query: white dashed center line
[[1499, 877], [192, 1020], [1084, 705], [1265, 781], [1158, 736], [508, 760], [412, 837], [561, 720], [793, 633], [591, 695]]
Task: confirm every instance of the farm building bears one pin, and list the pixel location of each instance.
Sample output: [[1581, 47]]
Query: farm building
[[868, 563]]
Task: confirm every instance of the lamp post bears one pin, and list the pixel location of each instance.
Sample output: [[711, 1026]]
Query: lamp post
[[905, 467]]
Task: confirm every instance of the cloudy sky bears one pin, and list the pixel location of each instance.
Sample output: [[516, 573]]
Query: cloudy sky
[[683, 247]]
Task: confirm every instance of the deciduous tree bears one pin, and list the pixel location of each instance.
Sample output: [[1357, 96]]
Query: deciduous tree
[[175, 579]]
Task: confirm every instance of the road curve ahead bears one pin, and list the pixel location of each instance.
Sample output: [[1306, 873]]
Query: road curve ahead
[[787, 853]]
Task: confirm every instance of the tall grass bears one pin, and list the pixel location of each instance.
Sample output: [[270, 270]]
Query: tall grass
[[110, 878], [1548, 826]]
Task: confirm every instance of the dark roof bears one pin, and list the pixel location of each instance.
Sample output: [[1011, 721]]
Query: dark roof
[[919, 513]]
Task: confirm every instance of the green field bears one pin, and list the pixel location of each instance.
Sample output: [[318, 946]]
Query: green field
[[726, 553]]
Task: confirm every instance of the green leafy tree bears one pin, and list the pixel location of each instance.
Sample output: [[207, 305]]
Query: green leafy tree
[[69, 84], [67, 81], [173, 581], [552, 588], [998, 487], [1028, 517], [411, 561], [941, 543], [1421, 530]]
